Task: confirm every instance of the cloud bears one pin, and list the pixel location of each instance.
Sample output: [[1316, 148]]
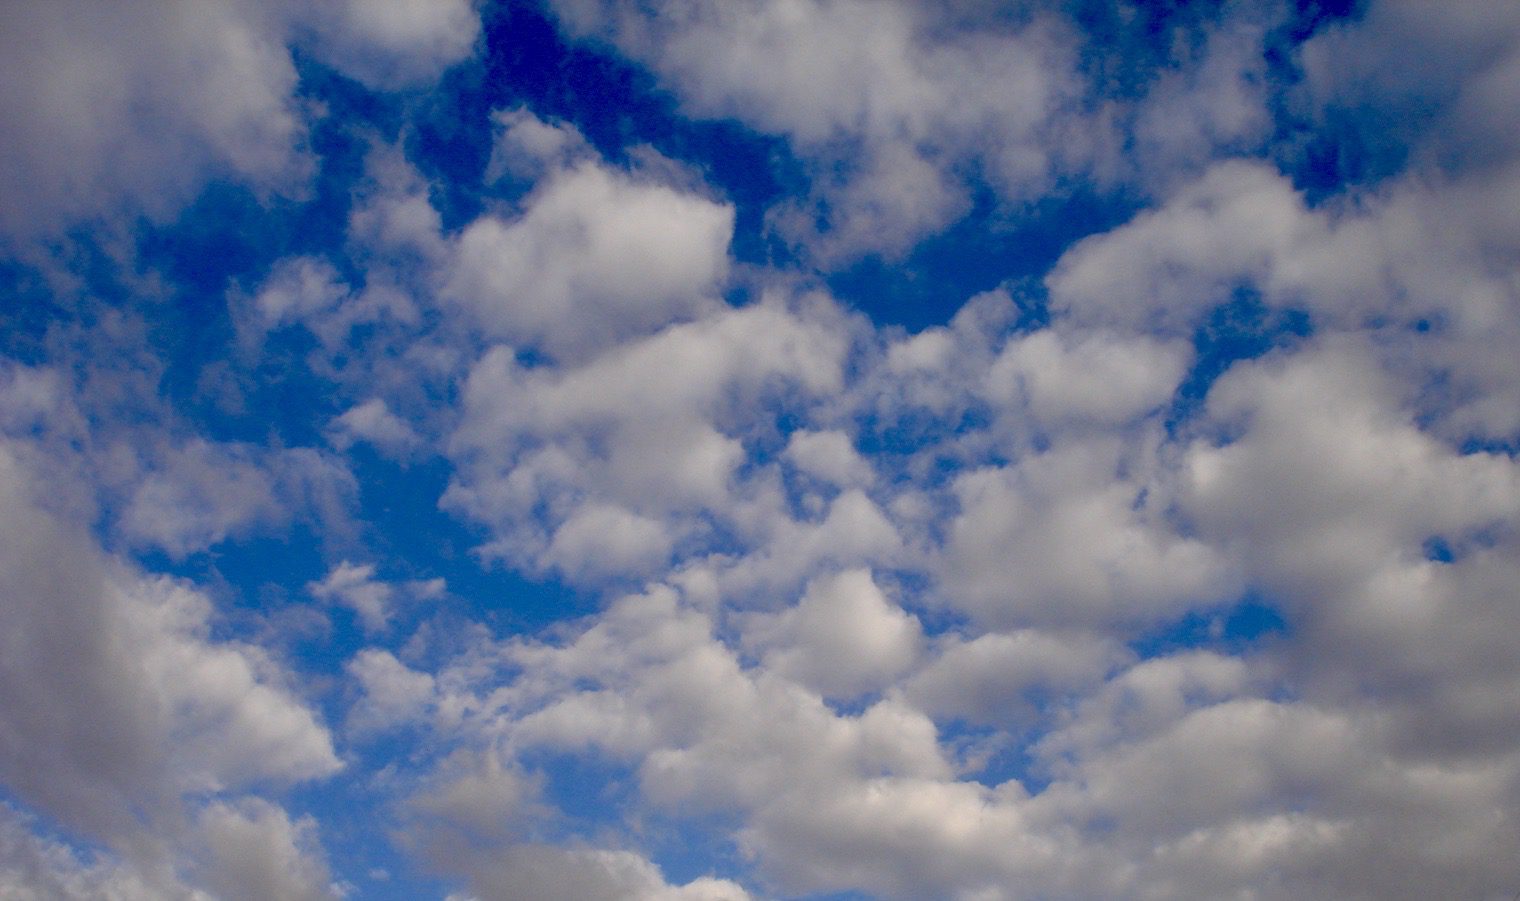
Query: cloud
[[569, 874], [373, 421], [1064, 539], [595, 256], [828, 455], [132, 109], [397, 43], [471, 821], [909, 101], [354, 586], [255, 851], [33, 868], [625, 453], [1096, 378], [136, 104], [393, 694], [119, 701], [1001, 677], [843, 638]]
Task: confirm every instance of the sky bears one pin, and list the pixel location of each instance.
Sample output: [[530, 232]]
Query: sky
[[826, 449]]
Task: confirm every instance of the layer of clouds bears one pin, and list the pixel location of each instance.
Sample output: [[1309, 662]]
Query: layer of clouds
[[946, 614], [874, 757]]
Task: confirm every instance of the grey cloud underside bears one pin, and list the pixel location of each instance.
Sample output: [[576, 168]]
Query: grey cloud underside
[[870, 606]]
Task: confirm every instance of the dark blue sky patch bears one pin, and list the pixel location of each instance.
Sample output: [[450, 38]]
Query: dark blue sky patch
[[983, 251], [1438, 550], [28, 313], [1234, 629], [347, 104], [1004, 755], [1130, 43], [587, 788], [618, 107], [400, 506], [1244, 328]]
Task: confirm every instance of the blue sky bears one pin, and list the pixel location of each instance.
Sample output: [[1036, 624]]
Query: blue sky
[[775, 449]]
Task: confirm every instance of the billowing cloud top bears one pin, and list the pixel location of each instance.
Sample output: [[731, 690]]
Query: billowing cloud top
[[764, 449]]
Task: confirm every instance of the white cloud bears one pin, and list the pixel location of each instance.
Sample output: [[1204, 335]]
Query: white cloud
[[843, 638], [623, 454], [608, 541], [197, 496], [137, 103], [355, 586], [926, 103], [373, 421], [131, 109], [1212, 100], [254, 851], [910, 98], [1161, 270], [118, 700], [534, 872], [1000, 677], [784, 482], [34, 868], [1076, 536], [393, 694], [528, 147], [472, 819], [596, 255], [1331, 493], [1096, 378], [391, 44], [830, 456]]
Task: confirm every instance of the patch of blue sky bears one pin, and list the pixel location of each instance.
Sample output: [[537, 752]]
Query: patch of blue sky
[[996, 755], [989, 248], [1241, 328], [1248, 623]]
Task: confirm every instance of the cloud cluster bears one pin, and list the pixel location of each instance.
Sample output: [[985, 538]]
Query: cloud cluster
[[1184, 570], [927, 103]]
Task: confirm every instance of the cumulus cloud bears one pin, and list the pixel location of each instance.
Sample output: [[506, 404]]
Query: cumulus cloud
[[1062, 539], [644, 424], [132, 108], [843, 638], [910, 99], [254, 850], [119, 701], [595, 256], [397, 43]]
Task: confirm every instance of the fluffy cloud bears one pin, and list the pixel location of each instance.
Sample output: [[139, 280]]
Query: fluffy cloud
[[596, 255], [119, 699], [843, 638], [254, 850], [396, 43], [1062, 539], [135, 106], [910, 98], [625, 452]]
